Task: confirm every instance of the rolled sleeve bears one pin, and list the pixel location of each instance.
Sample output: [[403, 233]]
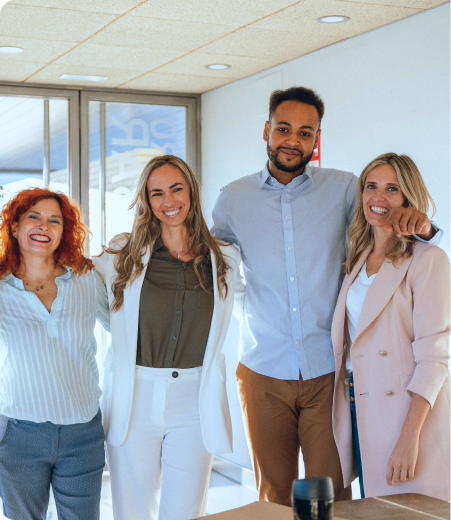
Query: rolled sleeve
[[431, 323]]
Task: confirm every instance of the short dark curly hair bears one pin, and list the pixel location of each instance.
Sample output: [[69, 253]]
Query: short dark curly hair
[[301, 94]]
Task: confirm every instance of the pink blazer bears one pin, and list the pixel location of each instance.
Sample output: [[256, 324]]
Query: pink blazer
[[400, 346]]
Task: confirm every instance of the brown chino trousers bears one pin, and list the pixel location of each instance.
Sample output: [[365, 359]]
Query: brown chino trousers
[[280, 416]]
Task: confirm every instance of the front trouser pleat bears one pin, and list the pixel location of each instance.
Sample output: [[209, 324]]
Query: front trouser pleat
[[162, 470], [280, 417]]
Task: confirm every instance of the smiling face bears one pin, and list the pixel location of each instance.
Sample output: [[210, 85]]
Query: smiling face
[[39, 230], [169, 195], [381, 195], [292, 135]]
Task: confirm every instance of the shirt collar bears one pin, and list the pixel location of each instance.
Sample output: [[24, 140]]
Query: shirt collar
[[158, 244], [267, 178], [13, 280]]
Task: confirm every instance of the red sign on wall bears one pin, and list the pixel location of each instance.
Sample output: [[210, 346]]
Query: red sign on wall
[[316, 157]]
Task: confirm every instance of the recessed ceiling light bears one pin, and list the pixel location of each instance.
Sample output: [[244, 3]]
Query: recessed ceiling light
[[10, 50], [81, 77], [333, 19], [217, 66]]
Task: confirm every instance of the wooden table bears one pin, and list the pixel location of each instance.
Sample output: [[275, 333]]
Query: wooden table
[[409, 506]]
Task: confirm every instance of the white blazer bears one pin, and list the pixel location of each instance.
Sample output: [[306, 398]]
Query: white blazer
[[120, 360]]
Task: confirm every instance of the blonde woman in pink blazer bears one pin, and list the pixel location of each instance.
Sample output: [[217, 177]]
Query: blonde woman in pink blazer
[[391, 410]]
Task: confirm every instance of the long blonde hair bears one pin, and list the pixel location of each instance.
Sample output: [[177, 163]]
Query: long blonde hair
[[417, 196], [147, 228]]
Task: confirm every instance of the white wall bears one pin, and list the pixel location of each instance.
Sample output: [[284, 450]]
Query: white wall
[[387, 90]]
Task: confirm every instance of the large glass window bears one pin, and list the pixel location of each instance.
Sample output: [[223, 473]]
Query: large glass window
[[34, 149]]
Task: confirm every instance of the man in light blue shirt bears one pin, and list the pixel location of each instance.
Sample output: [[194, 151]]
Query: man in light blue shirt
[[290, 222]]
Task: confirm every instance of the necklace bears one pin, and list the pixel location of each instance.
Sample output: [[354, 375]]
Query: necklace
[[39, 287], [179, 253]]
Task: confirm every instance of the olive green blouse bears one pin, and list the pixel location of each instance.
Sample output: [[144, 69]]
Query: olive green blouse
[[174, 312]]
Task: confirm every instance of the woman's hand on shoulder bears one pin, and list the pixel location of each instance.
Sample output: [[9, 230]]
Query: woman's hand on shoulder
[[402, 462]]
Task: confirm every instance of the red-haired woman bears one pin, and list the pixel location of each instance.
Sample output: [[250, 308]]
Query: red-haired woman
[[50, 425]]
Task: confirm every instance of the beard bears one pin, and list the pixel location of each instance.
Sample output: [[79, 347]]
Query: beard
[[273, 156]]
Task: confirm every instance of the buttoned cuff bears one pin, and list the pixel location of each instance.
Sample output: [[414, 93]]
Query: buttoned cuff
[[435, 240]]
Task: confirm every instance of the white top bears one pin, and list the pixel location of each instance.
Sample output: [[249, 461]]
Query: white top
[[354, 302], [48, 369]]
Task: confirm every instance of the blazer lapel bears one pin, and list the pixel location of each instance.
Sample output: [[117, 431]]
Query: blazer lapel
[[338, 323], [132, 295], [380, 292]]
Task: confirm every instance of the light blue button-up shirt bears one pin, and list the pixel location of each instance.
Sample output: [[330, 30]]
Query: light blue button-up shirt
[[48, 369], [292, 240]]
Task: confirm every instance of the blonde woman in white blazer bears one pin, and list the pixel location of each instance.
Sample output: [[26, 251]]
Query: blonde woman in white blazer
[[163, 424]]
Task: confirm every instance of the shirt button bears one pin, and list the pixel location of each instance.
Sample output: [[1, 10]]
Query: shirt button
[[175, 374], [352, 399], [297, 342], [181, 288], [351, 385], [286, 189], [287, 217], [178, 312], [294, 310], [174, 337], [183, 265], [168, 363], [382, 353], [289, 248], [389, 393], [292, 279]]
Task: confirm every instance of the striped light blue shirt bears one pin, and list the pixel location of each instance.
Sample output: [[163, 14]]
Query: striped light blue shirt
[[48, 369]]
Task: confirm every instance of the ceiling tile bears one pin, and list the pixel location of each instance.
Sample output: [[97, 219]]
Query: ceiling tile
[[294, 31], [51, 74], [176, 83], [302, 17], [233, 12], [98, 6], [266, 43], [416, 4], [10, 71], [50, 24], [170, 35], [34, 50], [195, 64], [127, 58]]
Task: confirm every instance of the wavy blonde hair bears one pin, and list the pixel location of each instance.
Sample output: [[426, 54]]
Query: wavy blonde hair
[[147, 228], [417, 196]]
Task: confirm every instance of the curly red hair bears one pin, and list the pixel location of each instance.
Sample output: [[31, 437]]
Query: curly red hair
[[70, 249]]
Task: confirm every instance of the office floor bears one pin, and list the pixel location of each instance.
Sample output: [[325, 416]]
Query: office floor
[[223, 494]]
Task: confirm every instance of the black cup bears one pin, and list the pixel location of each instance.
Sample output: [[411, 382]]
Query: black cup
[[313, 499]]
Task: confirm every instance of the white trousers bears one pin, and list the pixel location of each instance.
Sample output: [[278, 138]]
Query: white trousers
[[162, 470]]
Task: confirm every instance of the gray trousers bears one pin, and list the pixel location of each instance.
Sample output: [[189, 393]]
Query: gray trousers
[[69, 457]]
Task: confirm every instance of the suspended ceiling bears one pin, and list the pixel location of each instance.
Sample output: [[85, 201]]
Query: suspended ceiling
[[164, 45]]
